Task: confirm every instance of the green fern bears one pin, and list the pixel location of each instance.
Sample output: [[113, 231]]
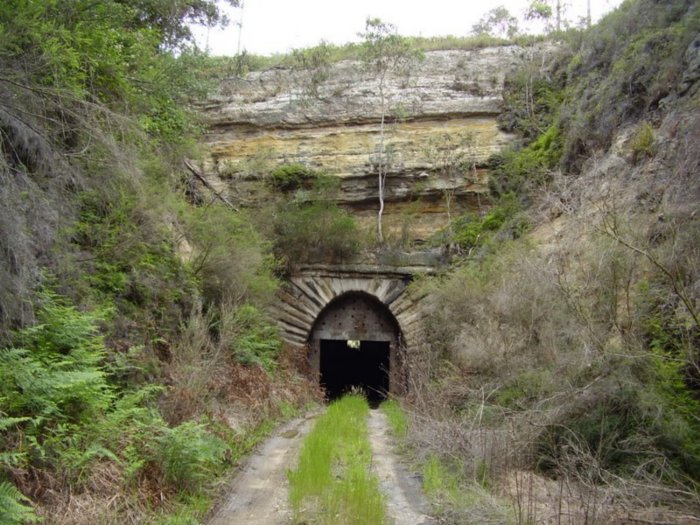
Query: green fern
[[9, 422], [257, 341], [189, 455], [13, 507]]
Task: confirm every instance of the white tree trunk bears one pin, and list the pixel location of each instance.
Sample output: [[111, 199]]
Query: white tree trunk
[[381, 166]]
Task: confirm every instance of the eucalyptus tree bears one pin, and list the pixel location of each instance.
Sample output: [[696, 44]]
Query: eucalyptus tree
[[384, 52], [544, 10], [499, 22]]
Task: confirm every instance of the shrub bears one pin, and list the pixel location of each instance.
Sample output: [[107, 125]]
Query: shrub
[[188, 455], [532, 103], [642, 143], [133, 263], [254, 341], [470, 231], [598, 428], [313, 232], [313, 67], [229, 256], [523, 172], [526, 387], [292, 177], [670, 371]]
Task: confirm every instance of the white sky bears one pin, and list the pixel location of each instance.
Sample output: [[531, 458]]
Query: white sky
[[278, 26]]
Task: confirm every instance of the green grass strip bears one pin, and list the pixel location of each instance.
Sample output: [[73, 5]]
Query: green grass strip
[[397, 418], [333, 484]]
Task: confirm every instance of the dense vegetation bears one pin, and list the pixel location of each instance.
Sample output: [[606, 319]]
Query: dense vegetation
[[307, 224], [131, 319], [573, 352]]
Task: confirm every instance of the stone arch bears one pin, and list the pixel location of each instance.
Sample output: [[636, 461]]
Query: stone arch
[[308, 293], [375, 364]]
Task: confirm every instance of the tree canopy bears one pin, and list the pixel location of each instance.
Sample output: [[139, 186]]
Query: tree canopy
[[499, 22]]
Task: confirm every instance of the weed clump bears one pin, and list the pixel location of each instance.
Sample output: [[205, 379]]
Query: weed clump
[[642, 143], [398, 420], [254, 340]]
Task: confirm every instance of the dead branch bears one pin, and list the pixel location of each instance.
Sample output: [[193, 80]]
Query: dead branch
[[612, 231], [204, 181]]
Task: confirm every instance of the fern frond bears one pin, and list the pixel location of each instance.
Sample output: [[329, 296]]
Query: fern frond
[[13, 506]]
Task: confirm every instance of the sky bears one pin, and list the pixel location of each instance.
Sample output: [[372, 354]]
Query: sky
[[278, 26]]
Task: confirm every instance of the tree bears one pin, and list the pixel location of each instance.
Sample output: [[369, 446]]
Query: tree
[[384, 51], [544, 10], [497, 22], [172, 18], [453, 156]]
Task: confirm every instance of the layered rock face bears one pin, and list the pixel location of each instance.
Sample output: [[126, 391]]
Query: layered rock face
[[440, 129]]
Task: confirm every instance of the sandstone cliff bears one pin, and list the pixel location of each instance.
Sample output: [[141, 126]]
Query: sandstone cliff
[[441, 131]]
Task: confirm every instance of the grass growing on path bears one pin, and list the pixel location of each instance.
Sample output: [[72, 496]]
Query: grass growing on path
[[333, 484], [397, 418]]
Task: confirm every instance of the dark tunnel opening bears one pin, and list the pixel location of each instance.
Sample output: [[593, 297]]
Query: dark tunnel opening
[[364, 366]]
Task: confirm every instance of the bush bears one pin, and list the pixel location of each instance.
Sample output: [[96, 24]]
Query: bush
[[316, 231], [523, 172], [254, 341], [532, 103], [292, 177], [642, 143], [627, 425], [132, 262], [470, 231], [602, 428], [229, 257], [189, 456]]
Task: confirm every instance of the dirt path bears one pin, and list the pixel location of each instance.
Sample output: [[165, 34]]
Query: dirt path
[[406, 504], [258, 495]]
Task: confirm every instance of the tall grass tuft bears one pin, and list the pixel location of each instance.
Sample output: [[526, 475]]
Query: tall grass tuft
[[397, 418]]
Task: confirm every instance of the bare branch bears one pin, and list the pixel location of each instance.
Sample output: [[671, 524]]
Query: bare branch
[[204, 181]]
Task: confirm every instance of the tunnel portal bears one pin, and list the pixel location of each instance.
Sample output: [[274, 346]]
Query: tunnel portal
[[365, 366], [355, 343]]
